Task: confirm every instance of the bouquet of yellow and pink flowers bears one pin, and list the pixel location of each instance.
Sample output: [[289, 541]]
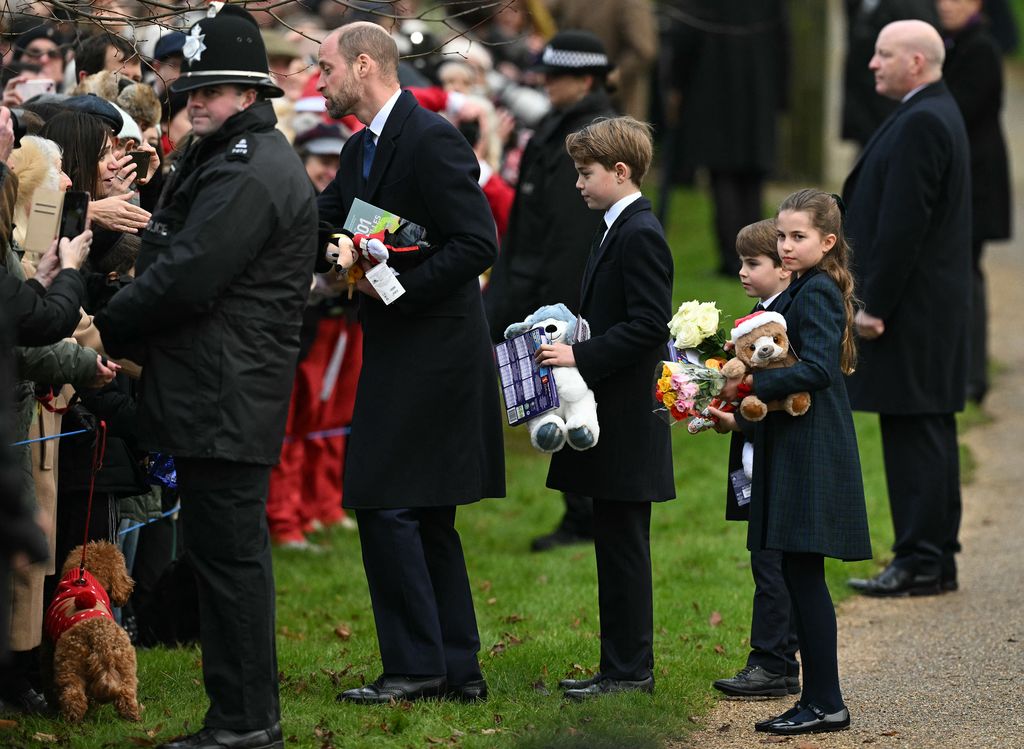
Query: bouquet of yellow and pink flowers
[[684, 390]]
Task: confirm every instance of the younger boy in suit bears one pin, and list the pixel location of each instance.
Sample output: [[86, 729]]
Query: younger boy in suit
[[626, 297], [771, 670]]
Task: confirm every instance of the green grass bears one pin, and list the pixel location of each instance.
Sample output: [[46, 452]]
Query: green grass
[[541, 608]]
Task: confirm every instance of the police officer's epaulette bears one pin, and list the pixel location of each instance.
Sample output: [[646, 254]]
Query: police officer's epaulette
[[240, 147]]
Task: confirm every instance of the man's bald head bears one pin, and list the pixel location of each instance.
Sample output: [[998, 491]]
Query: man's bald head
[[908, 54]]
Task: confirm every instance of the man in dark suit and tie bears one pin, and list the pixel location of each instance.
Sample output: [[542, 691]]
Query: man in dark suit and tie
[[909, 222], [426, 431]]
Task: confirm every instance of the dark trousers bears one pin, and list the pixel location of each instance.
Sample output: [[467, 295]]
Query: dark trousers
[[738, 201], [773, 636], [224, 522], [977, 331], [419, 589], [816, 629], [922, 472], [579, 515], [622, 544]]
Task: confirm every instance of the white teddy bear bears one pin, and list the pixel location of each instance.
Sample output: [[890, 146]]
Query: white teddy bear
[[574, 421]]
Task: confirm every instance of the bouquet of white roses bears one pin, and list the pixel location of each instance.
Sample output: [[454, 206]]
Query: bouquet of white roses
[[694, 328]]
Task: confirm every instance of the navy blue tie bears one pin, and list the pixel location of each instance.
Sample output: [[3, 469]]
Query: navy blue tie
[[369, 148]]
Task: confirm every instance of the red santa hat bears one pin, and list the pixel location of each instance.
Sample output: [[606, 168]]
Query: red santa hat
[[744, 325]]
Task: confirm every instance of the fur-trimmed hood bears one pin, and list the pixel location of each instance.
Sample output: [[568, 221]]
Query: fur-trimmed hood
[[35, 163]]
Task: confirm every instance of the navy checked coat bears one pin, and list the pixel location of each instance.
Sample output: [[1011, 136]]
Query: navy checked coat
[[627, 299], [807, 493]]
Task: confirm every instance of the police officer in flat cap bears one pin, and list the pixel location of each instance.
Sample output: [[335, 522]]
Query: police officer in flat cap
[[214, 313]]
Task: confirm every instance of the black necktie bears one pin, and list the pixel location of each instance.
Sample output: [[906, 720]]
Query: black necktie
[[369, 148]]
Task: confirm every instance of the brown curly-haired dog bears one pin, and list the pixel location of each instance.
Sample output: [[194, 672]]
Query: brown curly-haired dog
[[93, 659]]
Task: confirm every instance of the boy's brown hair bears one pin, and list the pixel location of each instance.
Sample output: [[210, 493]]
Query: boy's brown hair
[[759, 239], [610, 140]]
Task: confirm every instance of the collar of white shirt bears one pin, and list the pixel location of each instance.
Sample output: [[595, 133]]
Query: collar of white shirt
[[380, 119], [616, 210], [907, 98], [766, 302]]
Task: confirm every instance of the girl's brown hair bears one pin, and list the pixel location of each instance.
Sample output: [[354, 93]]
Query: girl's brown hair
[[826, 213]]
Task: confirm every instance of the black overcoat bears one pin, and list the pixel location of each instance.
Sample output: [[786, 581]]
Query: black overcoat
[[426, 430], [549, 228], [215, 309], [807, 494], [974, 73], [627, 299], [908, 220]]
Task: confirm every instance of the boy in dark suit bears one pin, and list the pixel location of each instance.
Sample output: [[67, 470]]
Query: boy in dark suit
[[626, 297], [771, 670]]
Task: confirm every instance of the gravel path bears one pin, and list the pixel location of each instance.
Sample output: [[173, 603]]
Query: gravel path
[[943, 672]]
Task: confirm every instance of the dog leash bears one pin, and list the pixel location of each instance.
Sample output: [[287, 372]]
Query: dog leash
[[99, 449]]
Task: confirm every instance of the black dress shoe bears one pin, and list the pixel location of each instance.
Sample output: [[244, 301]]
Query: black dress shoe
[[389, 689], [762, 725], [753, 681], [607, 685], [793, 684], [579, 683], [222, 738], [558, 538], [471, 691], [812, 719], [28, 702], [949, 585], [895, 581]]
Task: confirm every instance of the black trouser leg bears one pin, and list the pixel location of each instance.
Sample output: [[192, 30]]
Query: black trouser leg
[[224, 522], [738, 201], [447, 566], [773, 636], [816, 624], [419, 589], [579, 515], [622, 543], [977, 331], [922, 471]]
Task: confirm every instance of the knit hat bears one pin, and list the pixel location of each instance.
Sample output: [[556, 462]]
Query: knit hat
[[744, 325], [574, 53], [225, 47]]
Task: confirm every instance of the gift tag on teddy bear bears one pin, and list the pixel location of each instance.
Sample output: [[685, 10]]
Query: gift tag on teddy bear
[[385, 283]]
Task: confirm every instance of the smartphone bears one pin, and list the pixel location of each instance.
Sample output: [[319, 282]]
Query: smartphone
[[73, 216], [32, 88], [141, 161]]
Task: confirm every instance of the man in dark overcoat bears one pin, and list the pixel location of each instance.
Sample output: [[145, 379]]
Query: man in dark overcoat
[[729, 76], [214, 315], [909, 223], [426, 430], [974, 73]]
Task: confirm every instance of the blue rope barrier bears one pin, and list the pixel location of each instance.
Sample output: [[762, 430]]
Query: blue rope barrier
[[51, 437], [135, 527]]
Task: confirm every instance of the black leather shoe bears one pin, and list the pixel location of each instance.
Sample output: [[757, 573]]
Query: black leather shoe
[[579, 683], [558, 538], [949, 585], [395, 689], [895, 581], [753, 681], [28, 702], [812, 719], [221, 738], [607, 685], [762, 725], [471, 691]]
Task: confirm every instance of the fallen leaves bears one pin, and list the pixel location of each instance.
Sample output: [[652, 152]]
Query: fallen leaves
[[715, 619], [343, 631]]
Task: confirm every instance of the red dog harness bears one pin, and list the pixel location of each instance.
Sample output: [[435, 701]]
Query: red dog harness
[[78, 597]]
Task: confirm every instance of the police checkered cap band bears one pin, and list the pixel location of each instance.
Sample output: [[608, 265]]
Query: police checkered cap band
[[565, 58]]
